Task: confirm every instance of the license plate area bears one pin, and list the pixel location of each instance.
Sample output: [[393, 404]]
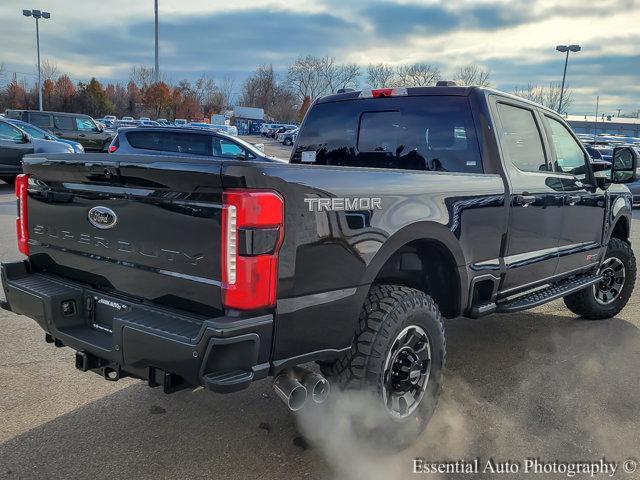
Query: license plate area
[[103, 311]]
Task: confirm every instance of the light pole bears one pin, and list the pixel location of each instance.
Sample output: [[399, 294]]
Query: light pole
[[567, 49], [37, 14], [157, 70]]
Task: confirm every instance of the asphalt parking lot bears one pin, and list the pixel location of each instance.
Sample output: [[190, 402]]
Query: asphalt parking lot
[[539, 384]]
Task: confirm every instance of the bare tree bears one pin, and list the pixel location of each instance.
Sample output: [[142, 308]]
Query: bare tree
[[549, 96], [381, 75], [417, 74], [226, 89], [305, 77], [49, 70], [142, 76], [337, 76], [472, 75], [258, 90]]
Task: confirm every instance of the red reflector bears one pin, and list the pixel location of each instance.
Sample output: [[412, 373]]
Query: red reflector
[[112, 148], [22, 226], [250, 282]]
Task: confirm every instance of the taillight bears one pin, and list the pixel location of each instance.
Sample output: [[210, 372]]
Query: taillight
[[384, 92], [112, 148], [252, 232], [22, 227]]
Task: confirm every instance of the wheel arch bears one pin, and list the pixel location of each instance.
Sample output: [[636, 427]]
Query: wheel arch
[[425, 256]]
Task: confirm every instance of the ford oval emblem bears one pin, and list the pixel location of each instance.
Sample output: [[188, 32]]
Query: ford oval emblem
[[102, 217]]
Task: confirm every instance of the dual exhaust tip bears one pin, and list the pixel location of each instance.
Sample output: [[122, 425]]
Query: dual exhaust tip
[[295, 385]]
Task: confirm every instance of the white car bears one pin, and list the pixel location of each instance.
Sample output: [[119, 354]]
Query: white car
[[228, 129]]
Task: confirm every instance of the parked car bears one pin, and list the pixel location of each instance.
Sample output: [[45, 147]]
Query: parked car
[[69, 126], [111, 118], [206, 126], [15, 143], [149, 123], [144, 119], [164, 122], [228, 129], [185, 142], [37, 132], [400, 210], [269, 129], [180, 122], [127, 119], [288, 137]]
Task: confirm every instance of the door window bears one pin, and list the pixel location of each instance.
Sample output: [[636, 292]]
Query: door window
[[569, 156], [228, 149], [9, 132], [40, 119], [521, 139], [86, 125], [63, 122]]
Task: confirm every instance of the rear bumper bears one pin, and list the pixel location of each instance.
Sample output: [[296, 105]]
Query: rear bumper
[[117, 337]]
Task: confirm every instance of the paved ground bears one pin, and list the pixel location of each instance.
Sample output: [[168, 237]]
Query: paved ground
[[538, 384]]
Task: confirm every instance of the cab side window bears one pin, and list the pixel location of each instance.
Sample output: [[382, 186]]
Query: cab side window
[[86, 125], [40, 119], [569, 156], [521, 138], [228, 149], [63, 122], [9, 132]]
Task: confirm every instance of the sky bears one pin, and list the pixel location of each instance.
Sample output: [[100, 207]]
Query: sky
[[515, 39]]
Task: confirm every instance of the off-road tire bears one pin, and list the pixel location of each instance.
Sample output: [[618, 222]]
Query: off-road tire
[[584, 303], [387, 310]]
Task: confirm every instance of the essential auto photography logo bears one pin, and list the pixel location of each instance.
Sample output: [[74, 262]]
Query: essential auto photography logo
[[531, 466]]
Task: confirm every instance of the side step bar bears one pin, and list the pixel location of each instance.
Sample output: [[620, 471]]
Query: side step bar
[[527, 300], [547, 294]]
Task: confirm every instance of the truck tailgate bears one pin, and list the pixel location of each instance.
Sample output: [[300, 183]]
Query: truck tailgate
[[143, 226]]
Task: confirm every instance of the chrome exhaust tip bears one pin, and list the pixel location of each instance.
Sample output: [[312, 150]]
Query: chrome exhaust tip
[[317, 386], [290, 391]]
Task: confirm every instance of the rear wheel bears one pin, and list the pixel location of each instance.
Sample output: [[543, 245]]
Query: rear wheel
[[397, 357], [608, 297], [288, 142]]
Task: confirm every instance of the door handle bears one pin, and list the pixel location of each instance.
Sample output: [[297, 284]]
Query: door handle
[[573, 199], [524, 200], [82, 135]]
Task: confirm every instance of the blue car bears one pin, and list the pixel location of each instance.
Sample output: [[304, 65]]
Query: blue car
[[37, 132]]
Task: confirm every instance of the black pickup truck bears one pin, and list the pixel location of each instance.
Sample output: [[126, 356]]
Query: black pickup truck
[[399, 207]]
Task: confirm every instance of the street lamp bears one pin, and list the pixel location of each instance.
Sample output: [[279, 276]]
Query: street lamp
[[157, 67], [565, 49], [37, 14]]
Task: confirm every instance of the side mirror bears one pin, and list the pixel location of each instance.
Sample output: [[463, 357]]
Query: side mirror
[[26, 138], [624, 165]]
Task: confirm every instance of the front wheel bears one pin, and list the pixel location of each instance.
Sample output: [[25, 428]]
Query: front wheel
[[608, 297], [397, 359]]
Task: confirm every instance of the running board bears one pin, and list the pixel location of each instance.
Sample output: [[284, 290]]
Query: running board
[[547, 294]]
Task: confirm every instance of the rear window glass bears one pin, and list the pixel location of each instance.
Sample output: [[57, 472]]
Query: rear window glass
[[417, 133], [171, 142]]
